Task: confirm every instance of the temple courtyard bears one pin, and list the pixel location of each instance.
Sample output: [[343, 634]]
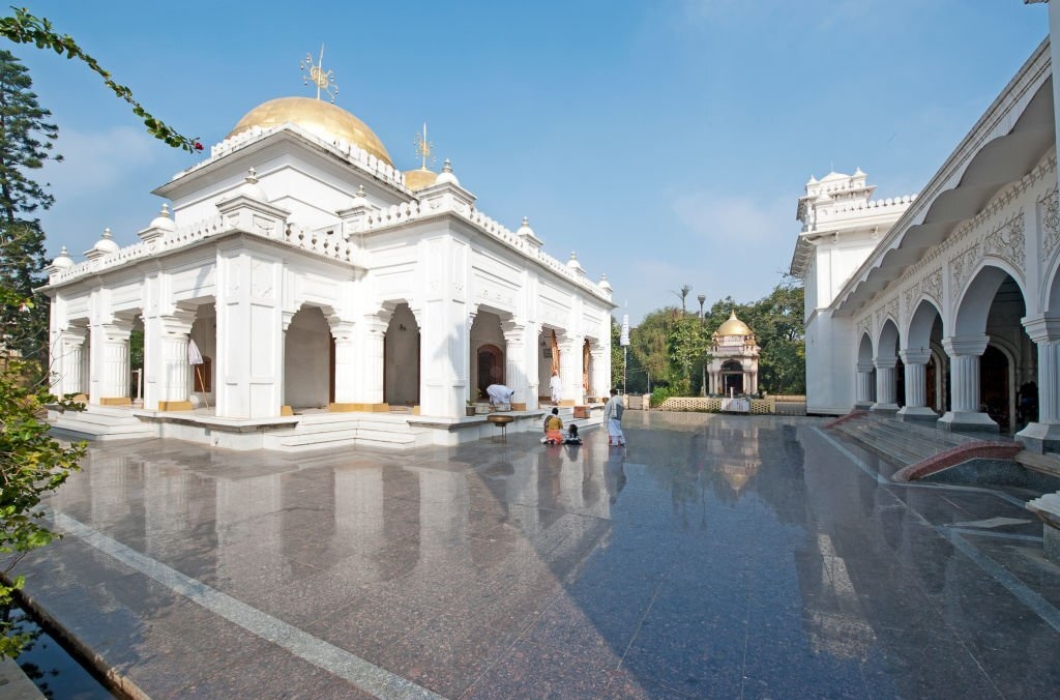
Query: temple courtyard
[[715, 557]]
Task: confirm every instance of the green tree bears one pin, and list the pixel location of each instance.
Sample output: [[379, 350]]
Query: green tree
[[32, 464], [26, 145], [649, 344]]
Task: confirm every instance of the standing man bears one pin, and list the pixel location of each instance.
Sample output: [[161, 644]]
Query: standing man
[[613, 410], [555, 385]]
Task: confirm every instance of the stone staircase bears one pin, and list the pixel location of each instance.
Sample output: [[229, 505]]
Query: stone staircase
[[100, 423], [328, 430], [917, 450]]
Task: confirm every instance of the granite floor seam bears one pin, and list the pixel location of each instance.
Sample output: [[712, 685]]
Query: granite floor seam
[[359, 672]]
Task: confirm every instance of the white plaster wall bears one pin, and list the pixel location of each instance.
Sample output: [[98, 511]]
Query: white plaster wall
[[306, 360], [830, 364]]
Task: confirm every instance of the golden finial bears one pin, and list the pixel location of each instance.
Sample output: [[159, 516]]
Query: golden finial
[[321, 78], [423, 147]]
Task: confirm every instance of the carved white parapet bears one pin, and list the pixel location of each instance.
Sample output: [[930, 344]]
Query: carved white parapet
[[252, 216]]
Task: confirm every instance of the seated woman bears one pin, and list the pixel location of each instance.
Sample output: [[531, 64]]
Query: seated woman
[[554, 428], [572, 437]]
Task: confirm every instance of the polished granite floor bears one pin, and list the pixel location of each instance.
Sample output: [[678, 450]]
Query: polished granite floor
[[714, 557]]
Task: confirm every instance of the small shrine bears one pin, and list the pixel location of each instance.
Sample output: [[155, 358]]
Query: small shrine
[[733, 370]]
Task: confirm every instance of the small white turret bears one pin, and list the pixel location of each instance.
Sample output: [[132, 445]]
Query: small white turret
[[104, 246]]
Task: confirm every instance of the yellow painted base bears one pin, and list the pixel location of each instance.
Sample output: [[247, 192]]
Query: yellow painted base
[[567, 402], [174, 406], [286, 411], [415, 410], [80, 398], [518, 406], [115, 401], [359, 407]]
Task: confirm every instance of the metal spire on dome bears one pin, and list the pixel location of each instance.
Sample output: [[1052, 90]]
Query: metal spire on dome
[[423, 147], [321, 78]]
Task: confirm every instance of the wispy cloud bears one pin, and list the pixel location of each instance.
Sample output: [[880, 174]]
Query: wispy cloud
[[734, 220], [94, 162]]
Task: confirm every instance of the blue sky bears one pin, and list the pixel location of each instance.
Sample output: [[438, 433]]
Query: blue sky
[[666, 142]]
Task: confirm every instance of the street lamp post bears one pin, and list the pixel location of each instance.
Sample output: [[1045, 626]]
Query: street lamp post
[[703, 378]]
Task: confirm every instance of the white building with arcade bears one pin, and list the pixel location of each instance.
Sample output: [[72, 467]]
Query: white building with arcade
[[333, 298], [945, 306]]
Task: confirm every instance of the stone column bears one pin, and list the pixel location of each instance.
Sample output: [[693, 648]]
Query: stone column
[[515, 370], [346, 366], [110, 375], [885, 385], [570, 360], [600, 378], [175, 370], [1044, 434], [863, 399], [964, 353], [916, 408], [370, 392], [71, 361]]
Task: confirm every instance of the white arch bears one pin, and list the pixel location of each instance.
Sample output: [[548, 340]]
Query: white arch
[[973, 305], [887, 345], [918, 333]]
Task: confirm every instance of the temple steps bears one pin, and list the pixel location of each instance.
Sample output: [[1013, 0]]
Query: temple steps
[[100, 423], [901, 443], [329, 430]]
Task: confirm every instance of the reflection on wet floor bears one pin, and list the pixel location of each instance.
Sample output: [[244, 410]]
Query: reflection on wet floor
[[715, 557]]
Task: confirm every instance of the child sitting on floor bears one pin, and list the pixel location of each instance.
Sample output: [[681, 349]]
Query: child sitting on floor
[[572, 437]]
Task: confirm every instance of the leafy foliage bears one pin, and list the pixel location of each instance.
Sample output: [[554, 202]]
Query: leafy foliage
[[672, 347], [26, 145], [23, 28], [32, 464]]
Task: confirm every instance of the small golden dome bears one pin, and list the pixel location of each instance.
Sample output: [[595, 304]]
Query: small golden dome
[[419, 178], [317, 117], [733, 326]]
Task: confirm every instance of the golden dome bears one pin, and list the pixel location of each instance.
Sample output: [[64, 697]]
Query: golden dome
[[733, 326], [419, 178], [317, 117]]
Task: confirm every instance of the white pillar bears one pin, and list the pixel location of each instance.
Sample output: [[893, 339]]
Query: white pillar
[[1044, 434], [373, 334], [964, 353], [250, 338], [110, 375], [864, 385], [71, 361], [174, 386], [570, 372], [600, 381], [346, 364], [885, 385], [516, 375], [916, 407]]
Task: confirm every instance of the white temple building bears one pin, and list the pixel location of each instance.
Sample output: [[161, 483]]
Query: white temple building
[[945, 306], [733, 368], [333, 299]]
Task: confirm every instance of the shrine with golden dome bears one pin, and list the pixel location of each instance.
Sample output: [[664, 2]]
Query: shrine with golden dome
[[298, 289], [733, 368]]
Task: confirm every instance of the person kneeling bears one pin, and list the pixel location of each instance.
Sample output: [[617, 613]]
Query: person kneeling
[[554, 428]]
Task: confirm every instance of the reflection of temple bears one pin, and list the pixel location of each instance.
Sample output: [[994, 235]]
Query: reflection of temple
[[734, 364], [427, 525]]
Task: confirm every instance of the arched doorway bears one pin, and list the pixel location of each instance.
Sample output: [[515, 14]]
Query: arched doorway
[[401, 353], [490, 367], [994, 386], [307, 360], [732, 377]]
